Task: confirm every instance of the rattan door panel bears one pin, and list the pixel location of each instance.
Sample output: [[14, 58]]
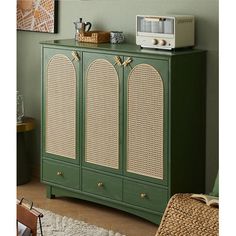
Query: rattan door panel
[[102, 114], [145, 122], [60, 107]]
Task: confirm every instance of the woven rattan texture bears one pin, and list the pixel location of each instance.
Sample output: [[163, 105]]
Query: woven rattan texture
[[94, 37], [185, 216], [61, 107], [102, 114], [145, 122]]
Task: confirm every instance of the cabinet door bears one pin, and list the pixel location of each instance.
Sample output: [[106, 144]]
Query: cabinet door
[[102, 94], [145, 119], [60, 89]]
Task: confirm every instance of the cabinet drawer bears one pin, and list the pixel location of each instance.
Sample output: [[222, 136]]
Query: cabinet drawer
[[63, 174], [144, 195], [103, 185]]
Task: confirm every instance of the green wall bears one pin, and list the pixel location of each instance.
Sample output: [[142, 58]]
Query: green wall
[[120, 15]]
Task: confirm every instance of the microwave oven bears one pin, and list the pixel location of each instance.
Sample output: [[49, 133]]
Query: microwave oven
[[165, 32]]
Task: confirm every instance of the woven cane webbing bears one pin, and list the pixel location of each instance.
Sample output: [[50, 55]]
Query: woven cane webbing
[[102, 114], [186, 216], [61, 107], [145, 122]]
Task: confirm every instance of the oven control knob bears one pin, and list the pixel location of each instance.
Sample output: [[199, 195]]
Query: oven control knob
[[162, 42], [154, 41]]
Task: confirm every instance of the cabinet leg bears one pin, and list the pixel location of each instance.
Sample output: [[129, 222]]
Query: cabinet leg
[[49, 193]]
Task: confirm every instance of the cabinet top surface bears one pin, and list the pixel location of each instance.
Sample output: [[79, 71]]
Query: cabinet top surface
[[122, 48]]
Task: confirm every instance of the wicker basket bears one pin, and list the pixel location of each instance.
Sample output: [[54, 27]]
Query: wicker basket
[[185, 216], [94, 37]]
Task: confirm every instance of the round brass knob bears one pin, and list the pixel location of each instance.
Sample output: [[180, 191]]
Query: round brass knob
[[100, 184], [143, 195], [59, 173]]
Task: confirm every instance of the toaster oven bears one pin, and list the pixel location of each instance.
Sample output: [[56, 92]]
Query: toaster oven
[[165, 32]]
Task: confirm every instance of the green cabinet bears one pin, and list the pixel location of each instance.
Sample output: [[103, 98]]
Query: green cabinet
[[122, 126]]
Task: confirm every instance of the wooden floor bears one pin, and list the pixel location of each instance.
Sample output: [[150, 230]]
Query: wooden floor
[[92, 213]]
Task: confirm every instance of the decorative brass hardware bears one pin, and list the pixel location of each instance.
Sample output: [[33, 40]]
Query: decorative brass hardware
[[127, 62], [117, 61], [75, 55], [143, 195], [59, 173], [100, 184]]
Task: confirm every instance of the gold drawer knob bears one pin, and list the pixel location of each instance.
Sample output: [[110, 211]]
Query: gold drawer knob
[[100, 184], [143, 195], [59, 173]]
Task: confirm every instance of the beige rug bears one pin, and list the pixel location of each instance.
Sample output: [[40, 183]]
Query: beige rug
[[57, 225]]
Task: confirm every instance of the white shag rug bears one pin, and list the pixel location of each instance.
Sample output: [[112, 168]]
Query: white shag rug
[[57, 225]]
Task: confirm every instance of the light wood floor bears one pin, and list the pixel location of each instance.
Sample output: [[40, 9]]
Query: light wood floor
[[92, 213]]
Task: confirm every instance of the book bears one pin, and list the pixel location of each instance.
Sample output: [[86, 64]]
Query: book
[[209, 200]]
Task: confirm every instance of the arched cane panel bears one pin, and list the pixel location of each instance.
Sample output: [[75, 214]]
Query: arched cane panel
[[145, 122], [61, 107], [102, 114]]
